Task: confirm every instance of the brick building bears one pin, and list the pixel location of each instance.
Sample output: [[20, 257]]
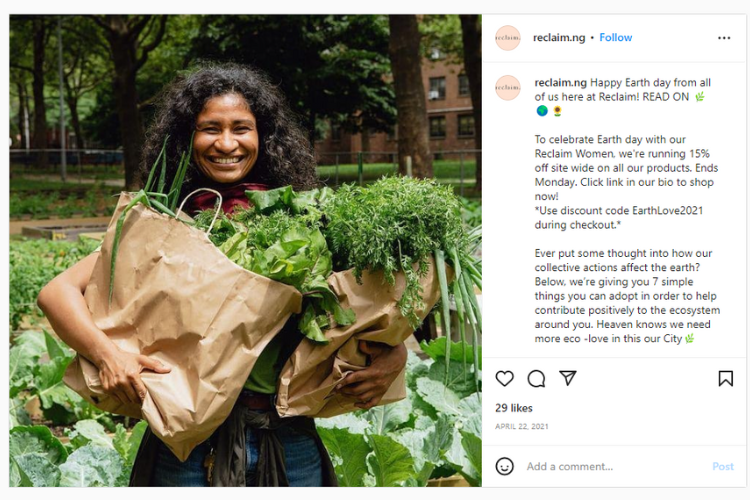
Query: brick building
[[449, 111]]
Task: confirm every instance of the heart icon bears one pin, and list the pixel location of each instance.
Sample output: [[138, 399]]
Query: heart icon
[[504, 378]]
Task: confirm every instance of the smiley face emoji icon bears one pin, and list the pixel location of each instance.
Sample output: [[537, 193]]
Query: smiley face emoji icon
[[504, 466]]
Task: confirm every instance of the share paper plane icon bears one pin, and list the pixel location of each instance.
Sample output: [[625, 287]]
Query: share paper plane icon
[[568, 375]]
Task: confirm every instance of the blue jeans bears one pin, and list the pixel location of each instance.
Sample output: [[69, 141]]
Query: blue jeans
[[303, 464]]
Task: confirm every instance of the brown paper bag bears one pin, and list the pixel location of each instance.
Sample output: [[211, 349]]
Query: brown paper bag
[[312, 372], [178, 299]]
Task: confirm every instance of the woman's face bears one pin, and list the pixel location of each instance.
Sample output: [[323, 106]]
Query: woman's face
[[225, 145]]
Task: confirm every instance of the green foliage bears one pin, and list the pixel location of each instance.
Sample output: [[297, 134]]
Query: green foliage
[[280, 238], [37, 458], [348, 450], [24, 356], [338, 70], [472, 212], [89, 432], [446, 171], [443, 33], [96, 200], [35, 455], [58, 401], [127, 444], [463, 454], [387, 418], [390, 462], [432, 433], [37, 365], [33, 263], [459, 351], [93, 465], [395, 224]]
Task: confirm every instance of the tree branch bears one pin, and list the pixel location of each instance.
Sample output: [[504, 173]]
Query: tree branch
[[100, 20], [21, 66], [154, 43], [135, 28], [95, 40]]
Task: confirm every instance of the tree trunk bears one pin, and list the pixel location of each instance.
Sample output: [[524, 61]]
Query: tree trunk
[[21, 88], [75, 120], [125, 61], [411, 105], [40, 110], [471, 29]]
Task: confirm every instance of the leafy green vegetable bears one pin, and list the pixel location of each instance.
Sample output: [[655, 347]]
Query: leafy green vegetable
[[35, 456], [127, 445], [436, 349], [395, 224], [89, 432], [458, 456], [386, 418], [434, 439], [440, 397], [24, 356], [58, 401], [18, 414], [30, 377], [289, 250], [93, 465], [390, 462], [459, 379], [286, 199], [349, 451], [280, 238]]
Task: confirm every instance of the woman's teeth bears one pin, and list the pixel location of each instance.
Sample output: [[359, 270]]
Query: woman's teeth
[[225, 161]]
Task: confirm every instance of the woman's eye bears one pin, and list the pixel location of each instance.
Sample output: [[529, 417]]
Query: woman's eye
[[242, 130]]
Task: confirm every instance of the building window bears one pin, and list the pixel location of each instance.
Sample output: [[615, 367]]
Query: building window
[[465, 125], [437, 127], [437, 88], [335, 132], [463, 85], [435, 54]]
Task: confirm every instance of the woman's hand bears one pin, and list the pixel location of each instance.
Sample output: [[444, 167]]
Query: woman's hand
[[120, 374], [369, 385], [64, 305]]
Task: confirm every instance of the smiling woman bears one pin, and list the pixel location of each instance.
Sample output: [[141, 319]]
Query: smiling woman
[[244, 131], [225, 145], [243, 136]]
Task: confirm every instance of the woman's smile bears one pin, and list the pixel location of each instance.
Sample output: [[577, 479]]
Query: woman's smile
[[226, 161], [225, 145]]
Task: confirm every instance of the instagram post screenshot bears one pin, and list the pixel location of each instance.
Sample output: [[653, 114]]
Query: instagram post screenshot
[[246, 248]]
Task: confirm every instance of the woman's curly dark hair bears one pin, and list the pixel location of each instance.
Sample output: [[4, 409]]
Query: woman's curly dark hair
[[285, 156]]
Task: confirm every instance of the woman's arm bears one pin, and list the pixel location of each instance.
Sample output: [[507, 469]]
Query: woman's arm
[[368, 386], [65, 307]]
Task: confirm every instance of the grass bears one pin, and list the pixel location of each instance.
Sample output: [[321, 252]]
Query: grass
[[37, 199], [443, 170], [446, 172], [21, 184], [95, 202]]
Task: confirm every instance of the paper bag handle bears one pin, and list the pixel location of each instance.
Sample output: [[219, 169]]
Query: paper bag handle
[[221, 201]]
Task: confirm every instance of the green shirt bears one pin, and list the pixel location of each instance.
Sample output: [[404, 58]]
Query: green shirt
[[265, 374]]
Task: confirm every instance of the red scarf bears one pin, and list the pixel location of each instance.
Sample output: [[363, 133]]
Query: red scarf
[[232, 196]]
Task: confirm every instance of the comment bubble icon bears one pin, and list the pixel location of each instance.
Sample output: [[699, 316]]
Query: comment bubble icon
[[536, 378]]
